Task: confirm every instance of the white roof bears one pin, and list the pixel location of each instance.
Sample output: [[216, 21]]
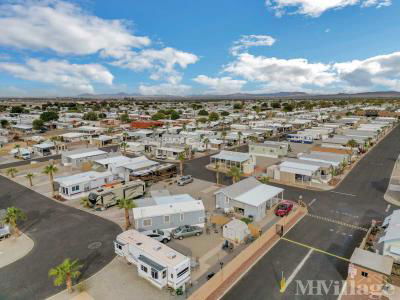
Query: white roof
[[167, 209], [232, 156], [392, 232], [178, 150], [155, 250], [86, 154], [44, 145], [120, 159], [298, 168], [73, 134], [81, 178], [259, 194]]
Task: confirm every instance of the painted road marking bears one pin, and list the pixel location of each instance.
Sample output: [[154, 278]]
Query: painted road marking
[[337, 222], [346, 194], [312, 202], [315, 249], [297, 269]]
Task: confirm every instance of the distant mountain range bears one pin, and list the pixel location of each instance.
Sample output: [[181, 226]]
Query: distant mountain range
[[242, 96]]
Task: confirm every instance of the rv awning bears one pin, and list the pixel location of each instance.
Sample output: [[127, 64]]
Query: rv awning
[[151, 263]]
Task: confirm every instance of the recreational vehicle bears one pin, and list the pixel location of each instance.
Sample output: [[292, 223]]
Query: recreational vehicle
[[108, 196], [300, 138], [155, 262]]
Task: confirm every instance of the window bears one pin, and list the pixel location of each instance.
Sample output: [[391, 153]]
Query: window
[[226, 200], [364, 274], [75, 188], [143, 268], [183, 272], [154, 274], [164, 274], [118, 246], [147, 222], [166, 219], [182, 217]]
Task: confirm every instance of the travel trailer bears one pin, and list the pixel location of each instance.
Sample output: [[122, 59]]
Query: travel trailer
[[108, 196], [155, 262]]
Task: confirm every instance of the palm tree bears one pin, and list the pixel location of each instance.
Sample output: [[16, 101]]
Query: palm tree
[[18, 147], [217, 172], [125, 135], [29, 176], [55, 139], [187, 150], [126, 204], [181, 158], [124, 145], [206, 141], [239, 136], [13, 215], [12, 172], [223, 134], [235, 173], [65, 273], [51, 170]]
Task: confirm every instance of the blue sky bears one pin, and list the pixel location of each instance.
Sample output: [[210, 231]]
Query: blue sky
[[183, 47]]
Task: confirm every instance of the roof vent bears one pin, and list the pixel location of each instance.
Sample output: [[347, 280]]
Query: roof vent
[[157, 247], [171, 255]]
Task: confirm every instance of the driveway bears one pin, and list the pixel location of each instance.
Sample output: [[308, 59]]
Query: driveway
[[58, 232]]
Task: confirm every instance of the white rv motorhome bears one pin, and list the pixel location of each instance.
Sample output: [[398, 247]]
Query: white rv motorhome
[[156, 262], [106, 197]]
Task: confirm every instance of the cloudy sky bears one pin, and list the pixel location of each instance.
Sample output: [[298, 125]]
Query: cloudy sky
[[181, 47]]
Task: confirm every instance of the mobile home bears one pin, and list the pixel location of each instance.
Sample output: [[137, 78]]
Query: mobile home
[[169, 214], [155, 262]]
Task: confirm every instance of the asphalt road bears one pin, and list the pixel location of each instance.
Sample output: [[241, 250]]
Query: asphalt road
[[58, 232], [357, 200]]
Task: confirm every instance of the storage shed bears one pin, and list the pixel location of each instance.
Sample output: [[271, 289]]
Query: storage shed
[[236, 231]]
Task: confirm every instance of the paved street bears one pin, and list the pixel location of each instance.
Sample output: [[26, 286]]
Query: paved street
[[58, 232], [357, 200]]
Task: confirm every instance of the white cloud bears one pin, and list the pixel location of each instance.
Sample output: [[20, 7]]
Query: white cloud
[[377, 3], [161, 63], [164, 89], [381, 70], [247, 41], [284, 73], [64, 28], [315, 8], [72, 77], [220, 85]]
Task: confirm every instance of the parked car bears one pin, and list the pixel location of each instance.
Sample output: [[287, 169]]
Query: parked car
[[160, 156], [283, 208], [186, 231], [159, 235], [185, 180], [4, 231]]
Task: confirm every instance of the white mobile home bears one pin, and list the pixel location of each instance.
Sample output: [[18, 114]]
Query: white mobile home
[[169, 214], [155, 262], [248, 198], [71, 186], [391, 237], [76, 158]]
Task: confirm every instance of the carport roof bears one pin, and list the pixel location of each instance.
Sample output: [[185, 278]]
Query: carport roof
[[372, 261]]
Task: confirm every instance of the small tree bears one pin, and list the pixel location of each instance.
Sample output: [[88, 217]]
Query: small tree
[[65, 273], [13, 215], [12, 172], [85, 202], [352, 143], [181, 158], [126, 204], [37, 124], [51, 170], [235, 173], [206, 142], [30, 176], [55, 140], [18, 147], [123, 145]]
